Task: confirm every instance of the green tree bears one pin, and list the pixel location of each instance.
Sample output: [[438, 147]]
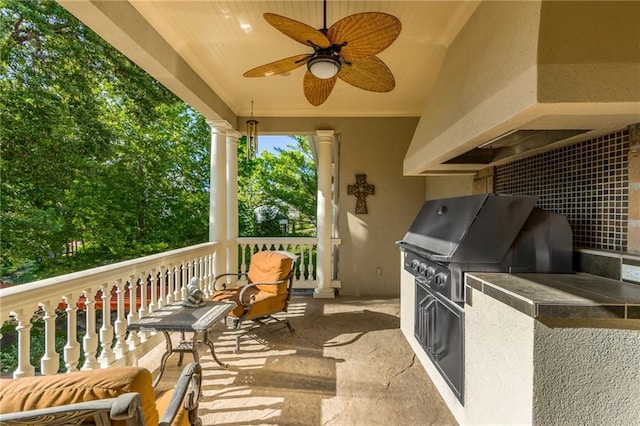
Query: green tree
[[286, 180], [51, 133], [92, 149]]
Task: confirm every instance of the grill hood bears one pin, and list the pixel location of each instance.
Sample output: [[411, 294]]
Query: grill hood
[[484, 233], [476, 228]]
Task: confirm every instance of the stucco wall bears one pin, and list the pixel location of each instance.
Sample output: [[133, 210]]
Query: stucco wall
[[531, 65], [375, 147], [498, 363], [589, 52], [437, 187], [488, 75], [586, 376]]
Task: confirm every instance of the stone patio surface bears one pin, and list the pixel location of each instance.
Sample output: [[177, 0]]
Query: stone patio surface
[[347, 363]]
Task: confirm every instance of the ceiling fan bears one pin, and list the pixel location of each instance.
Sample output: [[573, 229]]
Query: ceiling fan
[[346, 50]]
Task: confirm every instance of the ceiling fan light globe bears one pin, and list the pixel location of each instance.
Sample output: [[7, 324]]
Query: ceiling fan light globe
[[324, 66]]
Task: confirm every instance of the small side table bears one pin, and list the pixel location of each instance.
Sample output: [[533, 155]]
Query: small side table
[[176, 317]]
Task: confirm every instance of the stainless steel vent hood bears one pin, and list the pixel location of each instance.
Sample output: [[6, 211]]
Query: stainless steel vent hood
[[514, 143]]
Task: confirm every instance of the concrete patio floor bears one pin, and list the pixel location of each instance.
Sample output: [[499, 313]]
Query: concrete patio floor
[[346, 364]]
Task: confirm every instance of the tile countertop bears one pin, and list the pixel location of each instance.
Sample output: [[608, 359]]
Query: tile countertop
[[563, 300]]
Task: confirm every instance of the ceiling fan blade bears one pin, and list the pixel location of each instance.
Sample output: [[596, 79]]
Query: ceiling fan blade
[[278, 67], [369, 74], [302, 33], [366, 34], [317, 90]]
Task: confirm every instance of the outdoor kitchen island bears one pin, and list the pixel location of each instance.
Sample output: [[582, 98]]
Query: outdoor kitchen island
[[542, 349]]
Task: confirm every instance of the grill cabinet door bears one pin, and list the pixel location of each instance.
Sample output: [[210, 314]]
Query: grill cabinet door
[[439, 328]]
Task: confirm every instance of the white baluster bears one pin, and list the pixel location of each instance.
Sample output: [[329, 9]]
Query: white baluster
[[133, 340], [50, 361], [107, 355], [211, 270], [184, 281], [208, 275], [154, 290], [294, 249], [23, 328], [121, 347], [172, 294], [90, 340], [312, 264], [72, 348], [143, 311], [303, 263], [243, 258], [186, 274], [162, 283]]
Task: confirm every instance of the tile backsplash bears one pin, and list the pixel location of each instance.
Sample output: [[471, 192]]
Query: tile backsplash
[[587, 182]]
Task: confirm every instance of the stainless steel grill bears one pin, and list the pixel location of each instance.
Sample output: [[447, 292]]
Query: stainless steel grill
[[479, 233], [484, 233]]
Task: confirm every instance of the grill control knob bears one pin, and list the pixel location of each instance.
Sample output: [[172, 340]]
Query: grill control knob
[[431, 271], [422, 269], [414, 264], [441, 280]]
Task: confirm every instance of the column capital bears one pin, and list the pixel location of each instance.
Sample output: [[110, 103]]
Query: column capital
[[325, 136], [219, 126], [232, 136]]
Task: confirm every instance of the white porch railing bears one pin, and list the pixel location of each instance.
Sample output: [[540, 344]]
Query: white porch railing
[[155, 281], [305, 248], [95, 304]]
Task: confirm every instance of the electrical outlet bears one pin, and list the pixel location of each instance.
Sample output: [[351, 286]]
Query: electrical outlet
[[631, 273], [378, 271]]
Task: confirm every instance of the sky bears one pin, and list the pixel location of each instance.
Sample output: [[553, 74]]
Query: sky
[[270, 142]]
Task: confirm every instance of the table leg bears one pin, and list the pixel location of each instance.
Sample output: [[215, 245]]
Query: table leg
[[194, 347], [181, 353], [209, 343], [165, 356]]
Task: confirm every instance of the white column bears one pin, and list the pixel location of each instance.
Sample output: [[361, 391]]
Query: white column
[[323, 268], [218, 192], [232, 201]]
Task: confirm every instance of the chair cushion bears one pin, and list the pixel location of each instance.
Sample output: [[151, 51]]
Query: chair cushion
[[233, 295], [264, 303], [30, 393], [270, 266], [162, 403]]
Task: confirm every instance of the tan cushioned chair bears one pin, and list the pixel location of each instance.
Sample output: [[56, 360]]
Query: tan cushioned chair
[[85, 394], [268, 289]]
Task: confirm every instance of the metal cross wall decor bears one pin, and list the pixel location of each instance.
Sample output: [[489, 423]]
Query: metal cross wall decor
[[361, 189]]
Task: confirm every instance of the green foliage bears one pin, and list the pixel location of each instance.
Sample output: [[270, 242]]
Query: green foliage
[[285, 182], [9, 345], [93, 149], [100, 163]]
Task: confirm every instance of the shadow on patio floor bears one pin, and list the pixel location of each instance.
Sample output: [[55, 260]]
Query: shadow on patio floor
[[346, 364]]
